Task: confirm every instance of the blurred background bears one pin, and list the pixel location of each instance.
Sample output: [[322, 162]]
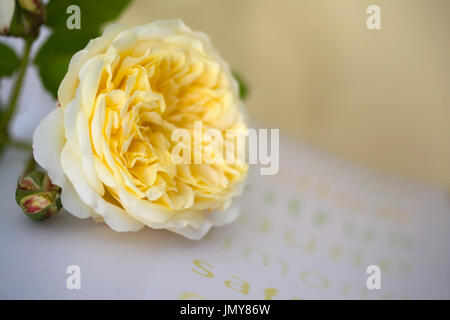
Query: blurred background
[[379, 97]]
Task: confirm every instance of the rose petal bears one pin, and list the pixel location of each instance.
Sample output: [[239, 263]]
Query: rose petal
[[72, 203], [114, 216], [68, 86], [87, 156], [48, 141]]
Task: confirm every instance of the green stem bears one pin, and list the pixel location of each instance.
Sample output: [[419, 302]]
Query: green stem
[[24, 145], [11, 109], [30, 165], [9, 112]]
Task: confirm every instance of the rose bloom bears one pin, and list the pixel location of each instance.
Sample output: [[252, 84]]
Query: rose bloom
[[108, 145]]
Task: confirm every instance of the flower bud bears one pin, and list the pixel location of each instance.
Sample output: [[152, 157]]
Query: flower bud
[[22, 20], [6, 15], [31, 5], [37, 196]]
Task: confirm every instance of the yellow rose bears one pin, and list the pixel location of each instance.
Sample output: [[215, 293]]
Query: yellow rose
[[109, 145]]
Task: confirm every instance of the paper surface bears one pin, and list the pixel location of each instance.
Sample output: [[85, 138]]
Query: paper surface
[[308, 232]]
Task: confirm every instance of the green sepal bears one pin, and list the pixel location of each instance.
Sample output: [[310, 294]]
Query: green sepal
[[37, 196]]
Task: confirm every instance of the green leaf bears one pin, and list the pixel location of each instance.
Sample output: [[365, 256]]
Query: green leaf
[[54, 56], [243, 87], [9, 61], [93, 13]]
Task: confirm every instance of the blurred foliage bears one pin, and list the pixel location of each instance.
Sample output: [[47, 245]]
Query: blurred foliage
[[9, 61], [93, 14], [243, 87], [54, 56]]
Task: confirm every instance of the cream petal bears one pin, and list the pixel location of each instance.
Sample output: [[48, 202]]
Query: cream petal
[[87, 156], [127, 63], [191, 232], [72, 203], [90, 75], [104, 174], [159, 218], [226, 216], [176, 25], [141, 209], [68, 86], [70, 123], [158, 29], [192, 225], [125, 40], [197, 228], [153, 193], [114, 216], [97, 123], [48, 141], [200, 225], [210, 49]]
